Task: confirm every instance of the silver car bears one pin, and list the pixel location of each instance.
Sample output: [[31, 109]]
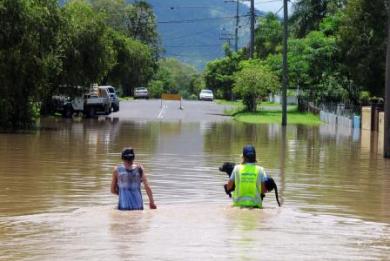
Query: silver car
[[141, 92], [206, 95]]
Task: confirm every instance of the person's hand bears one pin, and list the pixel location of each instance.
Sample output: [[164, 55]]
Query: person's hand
[[152, 205]]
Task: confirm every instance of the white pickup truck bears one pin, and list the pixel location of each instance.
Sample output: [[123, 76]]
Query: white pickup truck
[[96, 102]]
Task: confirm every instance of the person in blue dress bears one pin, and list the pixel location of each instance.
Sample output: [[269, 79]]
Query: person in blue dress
[[126, 183]]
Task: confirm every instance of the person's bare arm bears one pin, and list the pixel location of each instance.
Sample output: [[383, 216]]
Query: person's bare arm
[[148, 190], [230, 184], [114, 183]]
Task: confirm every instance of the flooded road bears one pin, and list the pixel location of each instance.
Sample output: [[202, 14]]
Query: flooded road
[[55, 201]]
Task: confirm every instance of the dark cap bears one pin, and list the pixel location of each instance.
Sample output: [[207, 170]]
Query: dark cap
[[249, 153], [128, 154]]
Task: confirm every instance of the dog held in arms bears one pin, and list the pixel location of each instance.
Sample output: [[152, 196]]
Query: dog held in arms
[[270, 184]]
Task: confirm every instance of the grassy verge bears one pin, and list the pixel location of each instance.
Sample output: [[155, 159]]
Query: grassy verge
[[293, 117], [126, 98]]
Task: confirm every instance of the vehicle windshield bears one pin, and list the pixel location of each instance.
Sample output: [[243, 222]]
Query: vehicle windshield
[[111, 90], [140, 89], [207, 91]]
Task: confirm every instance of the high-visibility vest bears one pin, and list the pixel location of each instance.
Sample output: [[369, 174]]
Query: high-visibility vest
[[247, 191]]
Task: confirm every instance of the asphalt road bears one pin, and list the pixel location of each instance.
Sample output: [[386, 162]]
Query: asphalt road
[[192, 111]]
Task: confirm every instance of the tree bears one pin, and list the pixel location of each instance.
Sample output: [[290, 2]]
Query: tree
[[218, 74], [174, 76], [113, 12], [134, 63], [268, 36], [311, 61], [308, 14], [141, 25], [254, 81], [362, 44], [89, 53], [29, 57]]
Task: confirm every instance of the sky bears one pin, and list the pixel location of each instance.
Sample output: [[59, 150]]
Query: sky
[[269, 5]]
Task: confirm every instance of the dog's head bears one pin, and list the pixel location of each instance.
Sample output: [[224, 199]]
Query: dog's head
[[227, 167]]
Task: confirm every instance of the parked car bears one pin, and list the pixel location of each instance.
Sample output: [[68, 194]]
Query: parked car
[[206, 95], [113, 96], [91, 104], [141, 92]]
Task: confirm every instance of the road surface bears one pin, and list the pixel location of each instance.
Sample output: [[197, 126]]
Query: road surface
[[192, 111]]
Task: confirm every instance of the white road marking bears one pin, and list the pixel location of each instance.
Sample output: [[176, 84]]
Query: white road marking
[[161, 114]]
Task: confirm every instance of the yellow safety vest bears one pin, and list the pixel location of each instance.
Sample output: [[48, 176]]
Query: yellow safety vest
[[247, 192]]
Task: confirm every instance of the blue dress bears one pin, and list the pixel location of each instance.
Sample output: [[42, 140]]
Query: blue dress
[[129, 188]]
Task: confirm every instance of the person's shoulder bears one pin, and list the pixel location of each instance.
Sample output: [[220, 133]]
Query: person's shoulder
[[119, 167], [237, 167]]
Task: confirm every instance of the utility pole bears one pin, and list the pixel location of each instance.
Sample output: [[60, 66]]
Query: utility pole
[[387, 91], [237, 25], [252, 40], [237, 17], [285, 65]]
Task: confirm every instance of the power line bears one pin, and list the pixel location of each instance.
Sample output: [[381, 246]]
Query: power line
[[197, 20], [185, 46]]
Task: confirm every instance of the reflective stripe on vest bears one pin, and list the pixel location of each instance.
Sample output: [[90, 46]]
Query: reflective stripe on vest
[[247, 193]]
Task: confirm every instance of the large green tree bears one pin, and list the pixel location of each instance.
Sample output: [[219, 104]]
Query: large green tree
[[362, 42], [134, 63], [29, 57], [308, 14], [88, 52], [218, 74], [268, 36]]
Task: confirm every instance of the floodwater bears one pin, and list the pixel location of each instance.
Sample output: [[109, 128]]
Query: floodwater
[[55, 201]]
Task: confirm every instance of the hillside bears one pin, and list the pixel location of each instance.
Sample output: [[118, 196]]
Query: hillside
[[191, 30]]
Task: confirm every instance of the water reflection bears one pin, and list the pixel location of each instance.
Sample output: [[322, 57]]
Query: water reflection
[[54, 191]]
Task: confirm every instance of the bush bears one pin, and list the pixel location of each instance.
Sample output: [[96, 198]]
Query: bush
[[252, 82]]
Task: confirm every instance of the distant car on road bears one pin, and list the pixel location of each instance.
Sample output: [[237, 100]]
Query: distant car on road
[[141, 92], [206, 95]]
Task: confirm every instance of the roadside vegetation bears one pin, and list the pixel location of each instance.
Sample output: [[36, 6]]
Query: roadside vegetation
[[336, 55]]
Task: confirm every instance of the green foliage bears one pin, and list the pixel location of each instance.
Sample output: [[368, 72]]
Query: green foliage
[[175, 77], [29, 57], [362, 42], [308, 14], [254, 81], [136, 21], [156, 88], [134, 63], [268, 36], [219, 77], [89, 53]]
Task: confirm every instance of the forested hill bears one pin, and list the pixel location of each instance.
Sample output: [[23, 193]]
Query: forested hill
[[191, 30]]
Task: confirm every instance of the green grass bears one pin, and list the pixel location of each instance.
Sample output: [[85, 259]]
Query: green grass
[[293, 117], [126, 98]]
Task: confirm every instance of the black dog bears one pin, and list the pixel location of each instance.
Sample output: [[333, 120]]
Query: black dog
[[270, 184]]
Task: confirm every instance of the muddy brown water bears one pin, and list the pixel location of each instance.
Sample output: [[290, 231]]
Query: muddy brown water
[[55, 201]]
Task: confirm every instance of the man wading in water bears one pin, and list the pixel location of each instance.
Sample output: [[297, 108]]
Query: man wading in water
[[126, 182], [249, 179]]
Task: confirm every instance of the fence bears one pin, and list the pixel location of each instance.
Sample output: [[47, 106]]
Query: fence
[[338, 114]]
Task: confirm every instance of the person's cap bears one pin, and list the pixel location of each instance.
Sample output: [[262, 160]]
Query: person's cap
[[249, 151], [128, 154]]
